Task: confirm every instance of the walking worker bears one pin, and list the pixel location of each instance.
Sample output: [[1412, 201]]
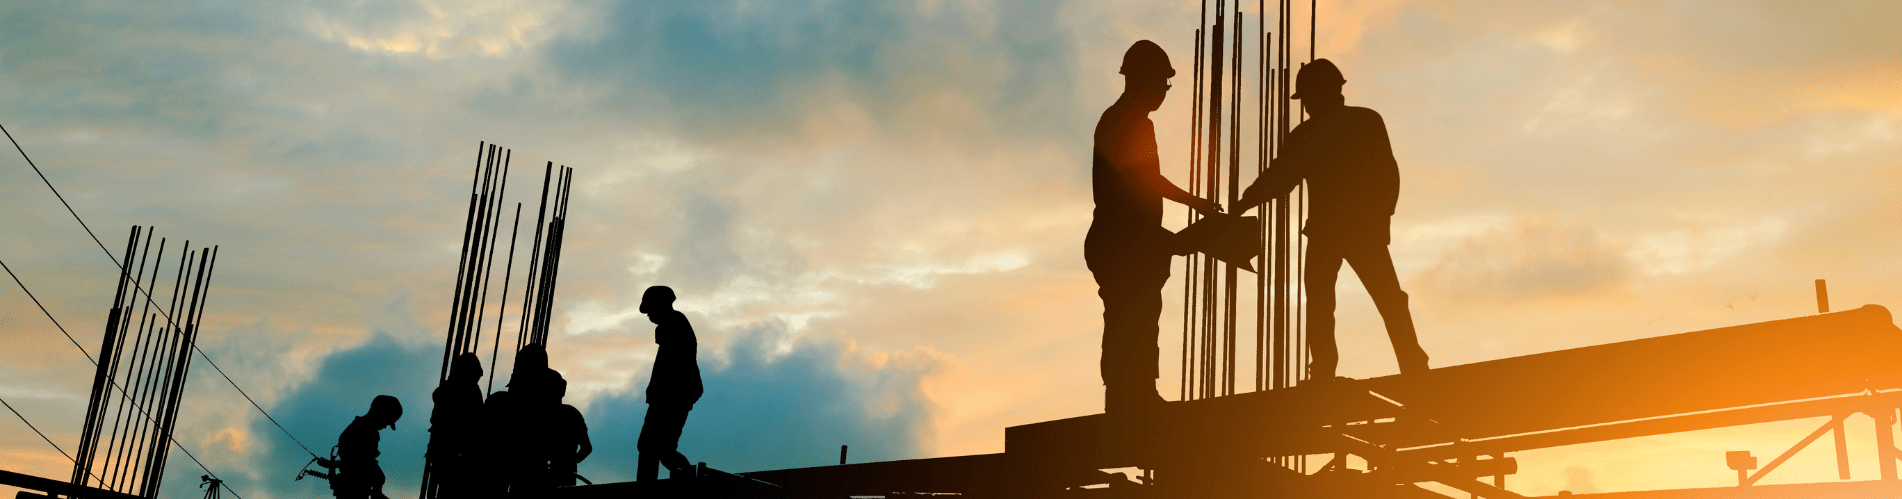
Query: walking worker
[[1344, 155], [357, 474], [1127, 250], [671, 390]]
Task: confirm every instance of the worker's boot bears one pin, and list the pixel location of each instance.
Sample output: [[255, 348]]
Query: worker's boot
[[1414, 366]]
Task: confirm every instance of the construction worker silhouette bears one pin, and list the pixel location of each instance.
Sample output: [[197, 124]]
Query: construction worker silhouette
[[357, 474], [497, 454], [1344, 155], [671, 390], [567, 437], [521, 429], [1127, 249], [453, 424]]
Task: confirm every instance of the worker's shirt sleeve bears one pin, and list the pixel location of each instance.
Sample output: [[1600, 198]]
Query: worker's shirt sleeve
[[1285, 172]]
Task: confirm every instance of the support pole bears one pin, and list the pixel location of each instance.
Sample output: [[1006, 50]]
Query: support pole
[[1822, 297], [1885, 440], [1842, 452], [1882, 441]]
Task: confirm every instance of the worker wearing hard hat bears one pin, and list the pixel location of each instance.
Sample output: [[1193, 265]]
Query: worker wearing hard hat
[[356, 472], [671, 390], [1344, 155], [1127, 249]]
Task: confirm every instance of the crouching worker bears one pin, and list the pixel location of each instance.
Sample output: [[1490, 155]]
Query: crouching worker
[[357, 475], [671, 390]]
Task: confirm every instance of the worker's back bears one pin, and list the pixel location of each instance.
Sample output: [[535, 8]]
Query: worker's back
[[356, 446], [676, 377], [1123, 155], [1352, 176]]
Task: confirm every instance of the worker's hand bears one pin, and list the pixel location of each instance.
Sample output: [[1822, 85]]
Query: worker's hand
[[1206, 206], [1246, 204]]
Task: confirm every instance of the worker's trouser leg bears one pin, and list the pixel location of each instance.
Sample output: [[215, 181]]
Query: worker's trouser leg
[[1374, 265], [358, 481], [660, 440], [1132, 303]]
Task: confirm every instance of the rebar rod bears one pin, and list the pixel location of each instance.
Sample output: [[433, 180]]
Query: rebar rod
[[471, 286], [468, 226], [475, 343], [195, 314], [121, 416], [155, 392], [534, 261], [82, 459], [1188, 263], [502, 311]]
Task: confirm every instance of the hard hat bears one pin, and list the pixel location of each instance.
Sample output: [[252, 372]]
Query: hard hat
[[387, 405], [1318, 75], [1145, 58], [530, 361], [656, 298], [468, 364]]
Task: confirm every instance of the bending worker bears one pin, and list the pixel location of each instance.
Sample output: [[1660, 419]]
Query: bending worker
[[357, 474], [1127, 249], [1344, 155]]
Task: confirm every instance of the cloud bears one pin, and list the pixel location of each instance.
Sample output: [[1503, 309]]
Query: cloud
[[443, 29], [342, 388], [1578, 480], [773, 400], [1531, 259], [781, 400], [747, 74]]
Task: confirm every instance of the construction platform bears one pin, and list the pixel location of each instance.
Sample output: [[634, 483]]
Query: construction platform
[[1451, 426]]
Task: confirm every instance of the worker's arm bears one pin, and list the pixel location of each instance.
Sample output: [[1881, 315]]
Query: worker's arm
[[587, 447], [1168, 190], [1283, 174], [1131, 150]]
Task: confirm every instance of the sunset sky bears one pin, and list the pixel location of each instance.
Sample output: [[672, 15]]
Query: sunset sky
[[873, 212]]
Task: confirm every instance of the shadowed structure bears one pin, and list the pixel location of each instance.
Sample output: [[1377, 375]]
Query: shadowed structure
[[1450, 427]]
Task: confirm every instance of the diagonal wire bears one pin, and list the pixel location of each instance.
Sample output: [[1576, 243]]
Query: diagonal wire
[[254, 403], [62, 199], [148, 294], [49, 315], [122, 393], [82, 350], [29, 425]]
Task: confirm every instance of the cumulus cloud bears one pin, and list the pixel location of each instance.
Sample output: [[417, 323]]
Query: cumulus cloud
[[778, 400], [443, 28], [773, 400]]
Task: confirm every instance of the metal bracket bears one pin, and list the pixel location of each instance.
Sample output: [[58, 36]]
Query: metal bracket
[[1835, 423]]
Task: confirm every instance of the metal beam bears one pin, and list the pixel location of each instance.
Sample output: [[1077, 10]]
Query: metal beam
[[1657, 426], [1738, 366], [57, 487], [1800, 445]]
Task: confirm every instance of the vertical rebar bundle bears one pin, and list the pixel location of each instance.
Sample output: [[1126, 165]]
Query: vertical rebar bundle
[[474, 271], [125, 440], [1213, 297], [477, 260], [545, 261]]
